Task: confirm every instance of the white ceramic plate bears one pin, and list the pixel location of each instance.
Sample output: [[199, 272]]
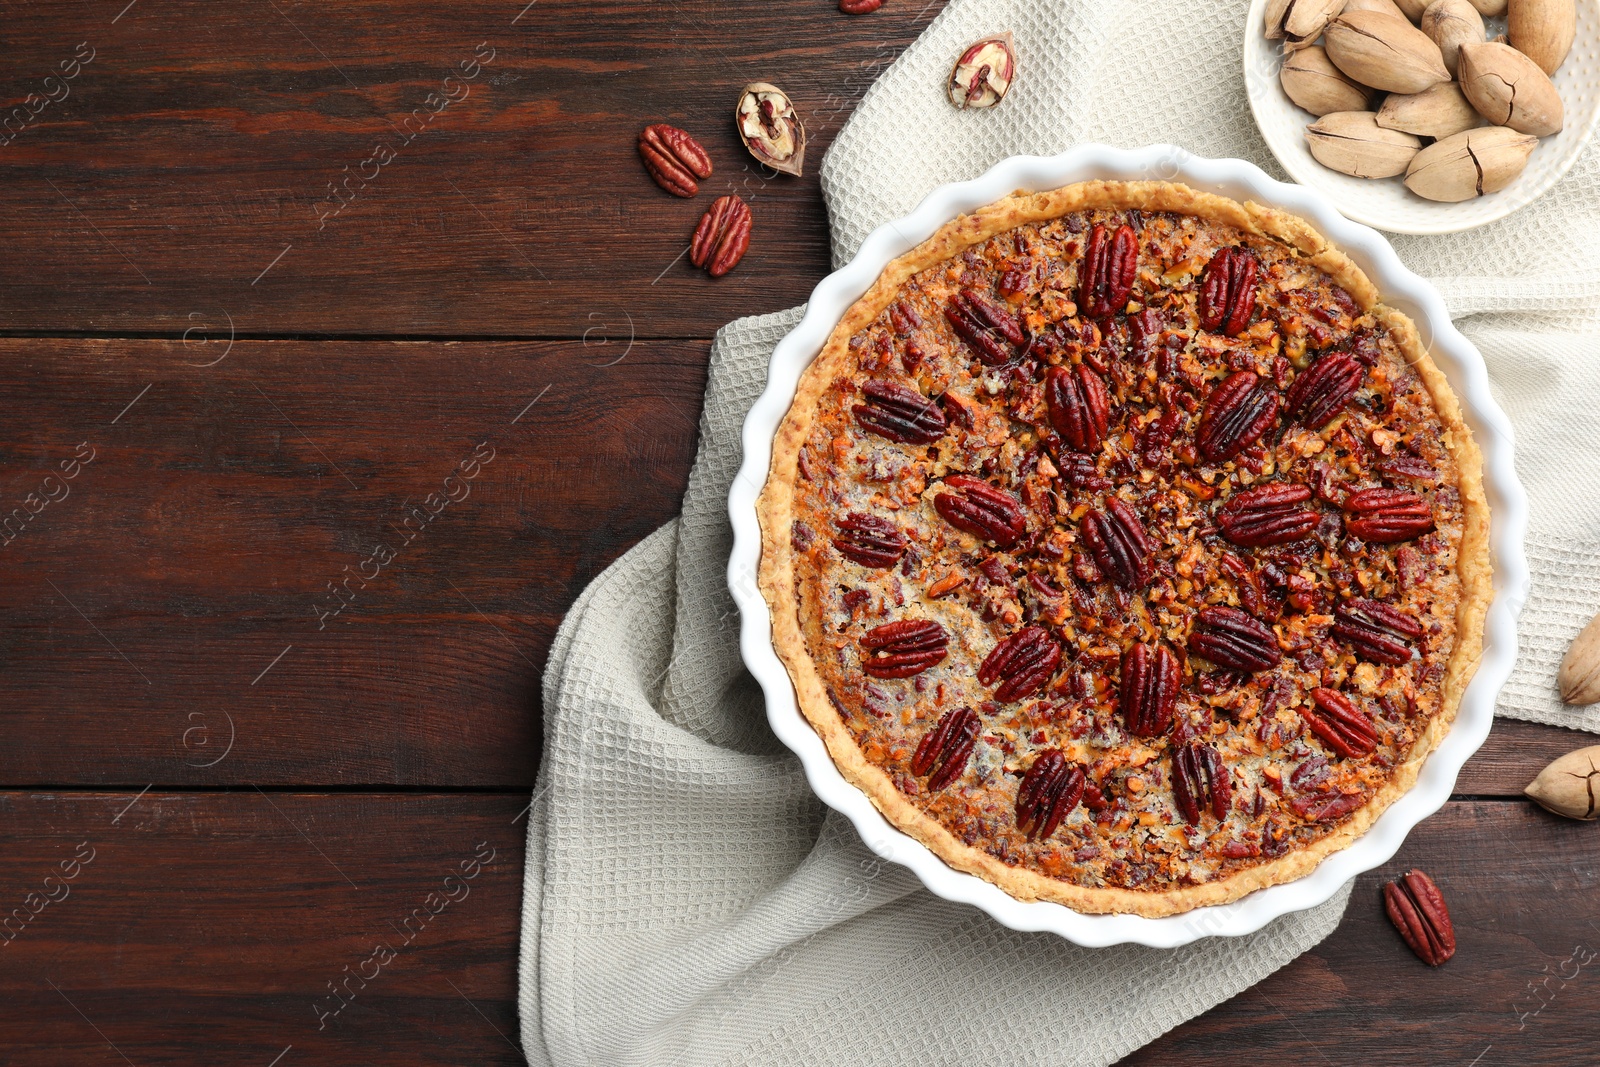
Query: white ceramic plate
[[1386, 203], [1457, 357]]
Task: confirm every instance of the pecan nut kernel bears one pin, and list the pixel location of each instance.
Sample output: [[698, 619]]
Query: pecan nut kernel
[[869, 540], [1386, 516], [903, 648], [722, 237], [1105, 276], [1049, 791], [1417, 909], [1079, 406], [1267, 515], [770, 129], [1021, 664], [1236, 414], [1323, 389], [1119, 544], [981, 510], [1376, 631], [1341, 725], [673, 158], [1149, 689], [983, 74], [1228, 292], [1230, 638], [944, 750], [898, 412], [859, 7], [992, 331], [1200, 780]]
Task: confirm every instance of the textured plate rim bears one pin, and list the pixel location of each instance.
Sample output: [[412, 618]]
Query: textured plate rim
[[1456, 356]]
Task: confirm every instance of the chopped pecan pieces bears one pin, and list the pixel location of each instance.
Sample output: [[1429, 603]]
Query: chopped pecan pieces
[[899, 413], [1120, 545], [1022, 664], [1228, 292], [1342, 726], [869, 540], [902, 648], [981, 510], [1236, 414], [945, 749], [1149, 689], [1105, 275], [1323, 389], [1230, 638], [1080, 407], [1050, 790], [1386, 516], [992, 331], [1200, 780], [1376, 631], [1417, 909], [1267, 515]]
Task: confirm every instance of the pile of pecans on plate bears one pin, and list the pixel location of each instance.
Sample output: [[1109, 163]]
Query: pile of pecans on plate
[[1418, 88]]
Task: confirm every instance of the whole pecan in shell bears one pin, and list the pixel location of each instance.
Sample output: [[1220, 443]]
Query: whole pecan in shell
[[1376, 631], [945, 749], [1080, 407], [981, 510], [1228, 292], [1417, 909], [1105, 276], [869, 540], [1022, 664], [673, 158], [1342, 726], [859, 7], [1120, 546], [1323, 389], [1049, 791], [1386, 516], [1230, 638], [722, 237], [902, 648], [1237, 413], [1267, 515], [992, 331], [1199, 781], [1149, 689], [898, 412]]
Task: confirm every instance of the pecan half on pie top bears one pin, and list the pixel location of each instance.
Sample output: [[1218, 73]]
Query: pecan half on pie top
[[1125, 548]]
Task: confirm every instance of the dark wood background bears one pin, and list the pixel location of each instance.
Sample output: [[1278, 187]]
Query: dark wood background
[[265, 789]]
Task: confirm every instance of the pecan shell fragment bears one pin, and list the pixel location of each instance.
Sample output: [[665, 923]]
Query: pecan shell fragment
[[1105, 277], [869, 540], [992, 331], [1080, 407], [944, 750], [981, 510], [1022, 664], [673, 158], [1050, 790], [1417, 909], [1120, 546], [1199, 781], [1323, 389], [1267, 515], [1236, 414], [902, 648], [770, 129], [722, 237], [983, 73], [1376, 631], [1149, 689], [1228, 292], [1341, 725], [898, 412], [1230, 638], [1387, 516]]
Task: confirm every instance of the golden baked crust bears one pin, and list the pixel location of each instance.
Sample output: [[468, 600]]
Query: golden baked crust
[[1150, 858]]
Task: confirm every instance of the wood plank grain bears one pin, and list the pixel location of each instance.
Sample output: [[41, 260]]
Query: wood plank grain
[[345, 559], [196, 161]]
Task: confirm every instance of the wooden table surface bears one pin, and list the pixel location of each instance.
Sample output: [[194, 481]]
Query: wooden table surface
[[242, 745]]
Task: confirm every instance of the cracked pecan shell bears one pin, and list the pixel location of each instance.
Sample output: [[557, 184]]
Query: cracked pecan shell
[[981, 510], [944, 750], [902, 648], [1079, 406], [1387, 516], [1236, 414], [1021, 664], [1049, 791], [869, 540], [1119, 544], [1267, 515], [899, 413], [1230, 638], [1200, 781], [1228, 292], [1105, 276], [1148, 695], [1341, 725]]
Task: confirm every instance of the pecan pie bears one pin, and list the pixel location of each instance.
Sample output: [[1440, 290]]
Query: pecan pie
[[1125, 548]]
